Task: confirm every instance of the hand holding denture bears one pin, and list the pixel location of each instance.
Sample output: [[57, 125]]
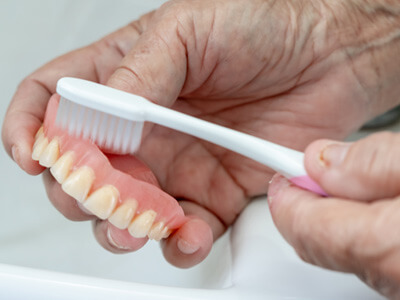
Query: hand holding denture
[[261, 75]]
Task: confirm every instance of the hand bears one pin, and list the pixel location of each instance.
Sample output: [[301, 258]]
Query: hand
[[357, 230], [282, 71]]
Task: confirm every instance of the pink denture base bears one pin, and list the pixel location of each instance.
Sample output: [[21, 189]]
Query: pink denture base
[[148, 195], [307, 183]]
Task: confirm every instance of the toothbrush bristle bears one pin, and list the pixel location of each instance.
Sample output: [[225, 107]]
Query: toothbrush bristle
[[107, 131]]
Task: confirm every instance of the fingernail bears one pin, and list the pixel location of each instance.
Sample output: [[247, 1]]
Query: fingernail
[[187, 247], [275, 185], [15, 154], [112, 241], [334, 154]]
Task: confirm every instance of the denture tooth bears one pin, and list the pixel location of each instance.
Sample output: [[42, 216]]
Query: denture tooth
[[102, 201], [156, 231], [165, 232], [50, 154], [141, 225], [39, 132], [39, 146], [79, 183], [60, 170], [123, 215]]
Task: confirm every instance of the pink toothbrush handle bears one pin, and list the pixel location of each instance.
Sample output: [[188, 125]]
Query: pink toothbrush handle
[[307, 183]]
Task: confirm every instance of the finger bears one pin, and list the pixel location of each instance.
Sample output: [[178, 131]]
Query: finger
[[155, 67], [115, 240], [189, 245], [184, 248], [364, 170], [22, 120], [342, 235], [192, 242], [26, 111], [334, 233]]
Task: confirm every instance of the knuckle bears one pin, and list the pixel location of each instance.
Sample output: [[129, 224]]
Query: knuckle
[[25, 83], [374, 151], [301, 225], [373, 163]]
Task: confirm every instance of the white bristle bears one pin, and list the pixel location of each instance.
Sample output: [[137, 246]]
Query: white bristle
[[89, 124], [136, 136], [127, 137], [110, 132], [119, 133], [102, 131], [72, 119], [95, 126]]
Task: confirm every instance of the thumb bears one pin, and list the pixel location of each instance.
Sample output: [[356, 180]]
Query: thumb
[[368, 169], [155, 68]]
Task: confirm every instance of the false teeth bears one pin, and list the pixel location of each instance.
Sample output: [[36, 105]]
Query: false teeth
[[141, 225], [157, 231], [123, 215], [39, 133], [102, 201], [79, 183], [50, 154], [61, 169], [39, 146]]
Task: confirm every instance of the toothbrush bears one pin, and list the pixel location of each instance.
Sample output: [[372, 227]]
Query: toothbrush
[[114, 119]]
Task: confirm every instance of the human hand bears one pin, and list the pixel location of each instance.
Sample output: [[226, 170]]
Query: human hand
[[357, 230], [276, 70]]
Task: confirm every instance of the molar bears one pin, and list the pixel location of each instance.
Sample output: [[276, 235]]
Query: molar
[[141, 225], [79, 183], [39, 146], [102, 201], [123, 215], [60, 170], [50, 154]]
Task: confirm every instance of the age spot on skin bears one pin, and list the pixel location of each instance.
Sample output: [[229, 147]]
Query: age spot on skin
[[87, 175]]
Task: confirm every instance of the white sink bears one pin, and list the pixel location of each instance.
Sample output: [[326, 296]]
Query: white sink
[[44, 256]]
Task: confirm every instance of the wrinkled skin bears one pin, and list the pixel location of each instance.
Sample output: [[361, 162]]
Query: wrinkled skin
[[287, 71], [361, 237]]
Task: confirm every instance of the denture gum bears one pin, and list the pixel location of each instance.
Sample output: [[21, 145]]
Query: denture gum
[[87, 175]]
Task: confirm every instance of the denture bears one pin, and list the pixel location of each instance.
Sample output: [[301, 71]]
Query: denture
[[86, 174]]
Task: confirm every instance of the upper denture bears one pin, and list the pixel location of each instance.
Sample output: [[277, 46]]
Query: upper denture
[[87, 175]]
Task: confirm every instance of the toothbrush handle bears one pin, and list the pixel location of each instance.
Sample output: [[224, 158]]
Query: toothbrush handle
[[307, 183], [286, 161]]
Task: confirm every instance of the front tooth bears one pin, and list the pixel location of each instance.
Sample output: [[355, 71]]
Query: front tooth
[[39, 132], [60, 170], [102, 201], [141, 225], [50, 154], [124, 214], [39, 146], [157, 231], [78, 183]]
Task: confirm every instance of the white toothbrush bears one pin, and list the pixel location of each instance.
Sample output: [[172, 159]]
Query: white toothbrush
[[114, 119]]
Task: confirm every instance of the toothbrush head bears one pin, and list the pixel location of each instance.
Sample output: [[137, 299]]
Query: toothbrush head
[[110, 118]]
